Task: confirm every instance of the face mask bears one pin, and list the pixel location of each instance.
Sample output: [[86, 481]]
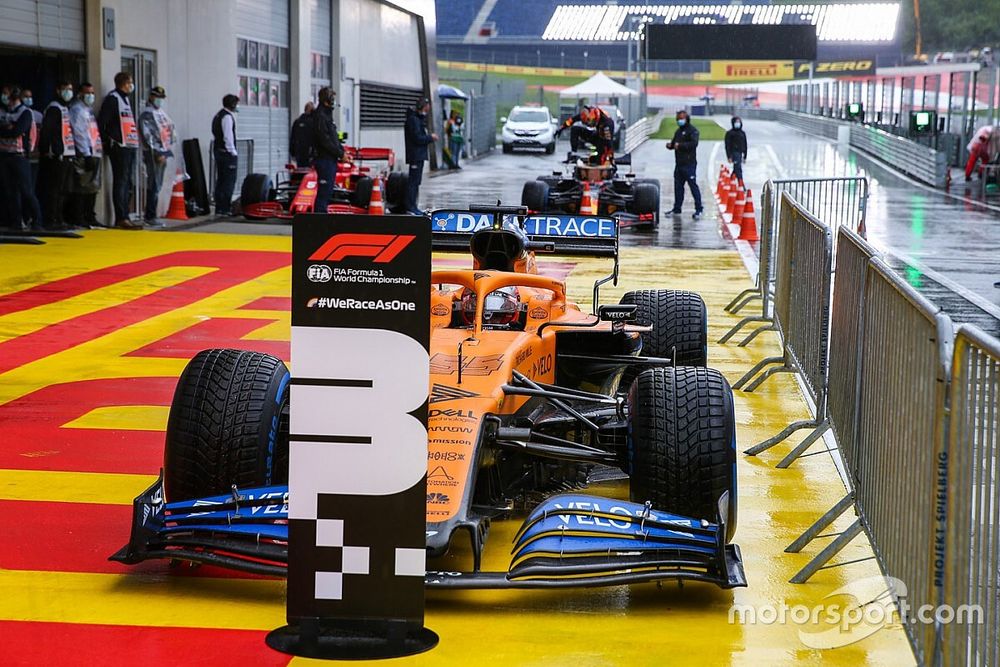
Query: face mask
[[737, 125], [88, 99], [4, 99], [236, 109], [158, 102], [27, 101], [129, 87], [66, 94], [682, 121]]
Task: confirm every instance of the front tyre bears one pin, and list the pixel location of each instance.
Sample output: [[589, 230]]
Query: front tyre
[[228, 425], [680, 325], [682, 442]]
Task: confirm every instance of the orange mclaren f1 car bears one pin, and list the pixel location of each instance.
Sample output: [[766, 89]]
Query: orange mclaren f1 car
[[531, 397]]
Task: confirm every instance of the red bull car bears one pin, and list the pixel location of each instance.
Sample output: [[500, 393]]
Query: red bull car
[[295, 192], [588, 188]]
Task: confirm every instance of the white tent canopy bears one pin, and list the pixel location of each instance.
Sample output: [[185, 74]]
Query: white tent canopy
[[599, 85]]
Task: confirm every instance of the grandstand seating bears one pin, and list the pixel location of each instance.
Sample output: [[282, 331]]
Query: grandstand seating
[[455, 16], [516, 18]]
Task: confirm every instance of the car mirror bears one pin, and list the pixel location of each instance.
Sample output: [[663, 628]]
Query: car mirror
[[622, 312], [624, 159], [503, 119], [556, 172]]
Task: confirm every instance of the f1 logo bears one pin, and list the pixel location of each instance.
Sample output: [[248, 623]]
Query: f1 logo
[[382, 248]]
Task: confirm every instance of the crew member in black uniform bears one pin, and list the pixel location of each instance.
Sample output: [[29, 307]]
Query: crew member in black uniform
[[593, 126], [736, 146], [225, 154], [300, 139], [326, 149], [56, 148], [685, 147]]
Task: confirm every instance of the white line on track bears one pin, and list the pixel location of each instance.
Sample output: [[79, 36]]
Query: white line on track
[[780, 168]]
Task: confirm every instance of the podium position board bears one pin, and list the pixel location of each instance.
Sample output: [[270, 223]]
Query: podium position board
[[358, 437]]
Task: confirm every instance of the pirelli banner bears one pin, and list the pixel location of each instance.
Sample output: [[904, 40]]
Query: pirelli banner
[[358, 437], [784, 70]]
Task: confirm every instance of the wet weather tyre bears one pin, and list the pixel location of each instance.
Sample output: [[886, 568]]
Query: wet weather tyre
[[256, 189], [395, 192], [656, 213], [680, 323], [682, 443], [645, 198], [535, 195], [228, 425], [362, 195]]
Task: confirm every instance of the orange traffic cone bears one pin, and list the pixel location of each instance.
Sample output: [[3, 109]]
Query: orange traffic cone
[[375, 206], [719, 184], [178, 209], [748, 223], [724, 188], [738, 207], [587, 204]]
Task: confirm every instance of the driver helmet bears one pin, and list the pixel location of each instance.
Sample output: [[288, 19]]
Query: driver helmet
[[501, 308], [590, 115]]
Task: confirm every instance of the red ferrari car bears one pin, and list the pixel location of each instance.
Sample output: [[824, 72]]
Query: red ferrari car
[[295, 192]]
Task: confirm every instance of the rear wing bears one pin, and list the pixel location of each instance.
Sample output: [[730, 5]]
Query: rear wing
[[568, 235], [572, 235]]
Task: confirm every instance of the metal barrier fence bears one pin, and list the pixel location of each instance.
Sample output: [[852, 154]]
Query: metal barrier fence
[[972, 555], [918, 429], [801, 311], [890, 347], [844, 201], [922, 162], [481, 116], [638, 132]]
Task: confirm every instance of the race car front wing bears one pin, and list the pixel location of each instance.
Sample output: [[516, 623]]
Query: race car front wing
[[570, 540]]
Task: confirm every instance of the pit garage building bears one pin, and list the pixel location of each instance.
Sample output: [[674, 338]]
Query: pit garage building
[[275, 54]]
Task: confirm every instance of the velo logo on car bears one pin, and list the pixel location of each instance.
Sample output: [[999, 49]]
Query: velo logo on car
[[382, 248], [568, 226], [358, 430]]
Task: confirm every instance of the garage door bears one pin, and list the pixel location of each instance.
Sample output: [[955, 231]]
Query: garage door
[[262, 63], [322, 37], [56, 25]]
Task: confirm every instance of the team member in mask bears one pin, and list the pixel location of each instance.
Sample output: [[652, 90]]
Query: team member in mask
[[157, 147], [86, 182], [17, 133], [326, 148], [685, 146], [226, 156], [736, 146], [121, 143], [57, 151], [28, 100]]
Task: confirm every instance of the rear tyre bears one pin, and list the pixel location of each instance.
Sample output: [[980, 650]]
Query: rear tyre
[[395, 192], [535, 195], [362, 194], [682, 443], [228, 425], [680, 323], [256, 189]]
